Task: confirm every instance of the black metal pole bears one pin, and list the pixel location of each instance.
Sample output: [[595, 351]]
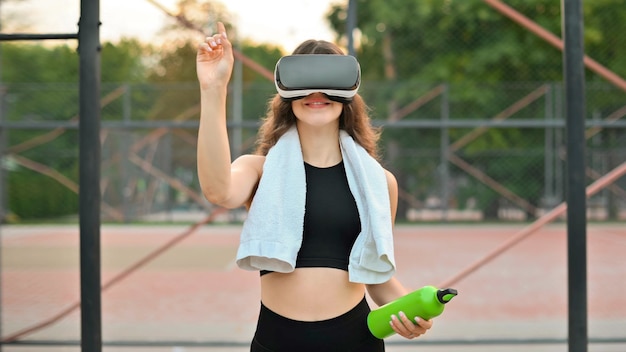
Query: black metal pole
[[27, 36], [574, 77], [89, 173], [3, 204]]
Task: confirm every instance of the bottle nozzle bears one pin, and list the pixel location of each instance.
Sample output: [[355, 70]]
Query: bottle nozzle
[[445, 295]]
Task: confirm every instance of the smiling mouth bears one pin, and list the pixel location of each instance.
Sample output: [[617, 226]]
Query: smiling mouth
[[317, 103]]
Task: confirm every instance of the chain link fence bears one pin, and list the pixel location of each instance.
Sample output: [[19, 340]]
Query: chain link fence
[[453, 162], [471, 104], [472, 115]]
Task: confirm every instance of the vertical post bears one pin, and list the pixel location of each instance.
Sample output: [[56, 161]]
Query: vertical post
[[3, 189], [89, 173], [445, 153], [4, 211], [4, 137], [236, 130], [126, 133], [170, 193], [350, 26], [574, 77], [548, 194], [559, 143]]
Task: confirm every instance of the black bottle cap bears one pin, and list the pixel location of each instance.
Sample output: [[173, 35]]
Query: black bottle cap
[[445, 295]]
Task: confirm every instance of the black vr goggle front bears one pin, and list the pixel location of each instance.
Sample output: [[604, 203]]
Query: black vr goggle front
[[337, 76]]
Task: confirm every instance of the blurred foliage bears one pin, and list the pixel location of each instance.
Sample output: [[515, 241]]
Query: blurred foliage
[[35, 196], [488, 61], [480, 62]]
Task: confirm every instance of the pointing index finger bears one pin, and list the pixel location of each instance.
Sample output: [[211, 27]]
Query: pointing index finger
[[221, 29]]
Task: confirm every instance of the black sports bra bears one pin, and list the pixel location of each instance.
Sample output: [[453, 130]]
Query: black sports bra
[[331, 219]]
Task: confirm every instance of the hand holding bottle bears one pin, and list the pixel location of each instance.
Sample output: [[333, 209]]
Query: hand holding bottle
[[426, 303]]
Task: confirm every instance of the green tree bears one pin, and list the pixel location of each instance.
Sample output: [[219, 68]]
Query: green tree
[[488, 62], [41, 85], [173, 82], [176, 63]]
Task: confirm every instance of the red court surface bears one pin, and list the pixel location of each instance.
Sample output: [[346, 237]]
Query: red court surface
[[193, 293]]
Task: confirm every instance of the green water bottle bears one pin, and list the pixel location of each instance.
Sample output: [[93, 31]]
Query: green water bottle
[[426, 303]]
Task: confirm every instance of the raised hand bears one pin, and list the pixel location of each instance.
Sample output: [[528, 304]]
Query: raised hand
[[214, 60]]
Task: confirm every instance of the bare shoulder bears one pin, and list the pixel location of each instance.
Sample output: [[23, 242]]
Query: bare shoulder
[[246, 172], [392, 186], [392, 182], [252, 158], [250, 161]]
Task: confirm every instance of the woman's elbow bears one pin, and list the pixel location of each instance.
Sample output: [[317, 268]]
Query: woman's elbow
[[215, 196], [221, 199]]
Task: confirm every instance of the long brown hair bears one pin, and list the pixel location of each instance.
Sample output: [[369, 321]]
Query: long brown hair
[[354, 118]]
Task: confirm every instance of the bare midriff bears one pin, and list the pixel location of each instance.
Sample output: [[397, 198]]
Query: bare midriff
[[310, 294]]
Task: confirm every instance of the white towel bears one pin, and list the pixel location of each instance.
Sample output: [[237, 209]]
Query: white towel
[[272, 233]]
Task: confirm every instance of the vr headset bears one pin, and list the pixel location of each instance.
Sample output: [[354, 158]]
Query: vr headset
[[337, 76]]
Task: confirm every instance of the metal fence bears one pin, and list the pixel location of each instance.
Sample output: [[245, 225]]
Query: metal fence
[[466, 144], [502, 161], [468, 92]]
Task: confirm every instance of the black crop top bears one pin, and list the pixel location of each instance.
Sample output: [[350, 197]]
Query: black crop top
[[331, 219]]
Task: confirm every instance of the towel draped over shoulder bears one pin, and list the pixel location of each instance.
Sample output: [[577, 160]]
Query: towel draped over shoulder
[[272, 232]]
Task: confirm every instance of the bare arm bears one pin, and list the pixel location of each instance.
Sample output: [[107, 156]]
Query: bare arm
[[392, 289], [222, 184], [386, 292]]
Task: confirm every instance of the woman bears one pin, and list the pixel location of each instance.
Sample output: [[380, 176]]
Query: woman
[[315, 306]]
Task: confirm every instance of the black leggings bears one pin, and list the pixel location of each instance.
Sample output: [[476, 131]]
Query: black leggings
[[345, 333]]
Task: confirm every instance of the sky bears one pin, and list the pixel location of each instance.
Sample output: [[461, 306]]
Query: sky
[[282, 22]]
